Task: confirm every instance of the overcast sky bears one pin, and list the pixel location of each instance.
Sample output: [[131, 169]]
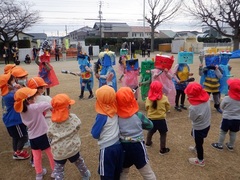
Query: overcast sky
[[59, 16]]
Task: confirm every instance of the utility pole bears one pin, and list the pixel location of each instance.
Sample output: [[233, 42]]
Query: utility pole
[[143, 19], [66, 29], [100, 18]]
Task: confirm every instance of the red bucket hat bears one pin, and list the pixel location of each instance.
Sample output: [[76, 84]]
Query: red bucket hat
[[127, 104], [155, 91], [234, 89], [196, 94]]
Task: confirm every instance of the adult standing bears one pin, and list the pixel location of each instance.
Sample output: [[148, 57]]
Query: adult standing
[[143, 47], [79, 48], [64, 52], [34, 51], [148, 49], [57, 53], [6, 54], [133, 49], [90, 51]]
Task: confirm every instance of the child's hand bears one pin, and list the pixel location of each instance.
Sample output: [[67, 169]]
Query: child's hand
[[109, 77], [190, 74], [166, 70]]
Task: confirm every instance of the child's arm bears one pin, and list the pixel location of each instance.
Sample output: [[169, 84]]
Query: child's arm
[[146, 123], [98, 125], [218, 72]]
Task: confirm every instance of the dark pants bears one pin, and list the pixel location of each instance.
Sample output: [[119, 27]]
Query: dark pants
[[199, 136], [178, 94], [57, 57], [161, 127], [143, 53], [6, 60]]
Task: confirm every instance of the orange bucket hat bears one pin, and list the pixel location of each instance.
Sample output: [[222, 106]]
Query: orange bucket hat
[[36, 82], [60, 104], [106, 103], [19, 72], [196, 94], [4, 83], [127, 104], [21, 95], [8, 68], [234, 89], [155, 91]]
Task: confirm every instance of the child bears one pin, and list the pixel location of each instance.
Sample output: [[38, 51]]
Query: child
[[163, 74], [131, 124], [64, 135], [182, 73], [200, 115], [20, 75], [157, 105], [231, 116], [27, 59], [46, 71], [210, 78], [131, 75], [39, 84], [32, 116], [106, 130], [12, 120], [86, 75]]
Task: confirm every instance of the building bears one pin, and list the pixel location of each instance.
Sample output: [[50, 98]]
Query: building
[[111, 29], [140, 32]]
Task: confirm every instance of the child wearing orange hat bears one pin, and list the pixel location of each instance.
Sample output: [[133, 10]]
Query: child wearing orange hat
[[8, 68], [106, 131], [12, 120], [39, 84], [200, 115], [21, 75], [157, 105], [230, 106], [32, 116], [64, 135], [131, 125]]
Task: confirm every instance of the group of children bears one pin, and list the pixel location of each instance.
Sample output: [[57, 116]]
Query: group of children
[[44, 121], [50, 126]]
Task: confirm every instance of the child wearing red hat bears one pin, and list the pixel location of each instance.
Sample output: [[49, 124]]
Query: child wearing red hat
[[32, 116], [230, 106], [200, 115], [131, 125], [64, 135], [157, 105]]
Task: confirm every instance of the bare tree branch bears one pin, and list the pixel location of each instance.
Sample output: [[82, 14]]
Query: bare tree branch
[[15, 16], [161, 11], [216, 14]]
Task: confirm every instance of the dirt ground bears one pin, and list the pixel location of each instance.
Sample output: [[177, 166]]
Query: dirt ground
[[219, 164]]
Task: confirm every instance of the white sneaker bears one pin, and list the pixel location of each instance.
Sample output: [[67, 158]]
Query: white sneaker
[[87, 175], [40, 176], [195, 161], [192, 149]]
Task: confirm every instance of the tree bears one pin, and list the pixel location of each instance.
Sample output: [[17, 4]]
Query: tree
[[216, 13], [161, 11], [15, 16]]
